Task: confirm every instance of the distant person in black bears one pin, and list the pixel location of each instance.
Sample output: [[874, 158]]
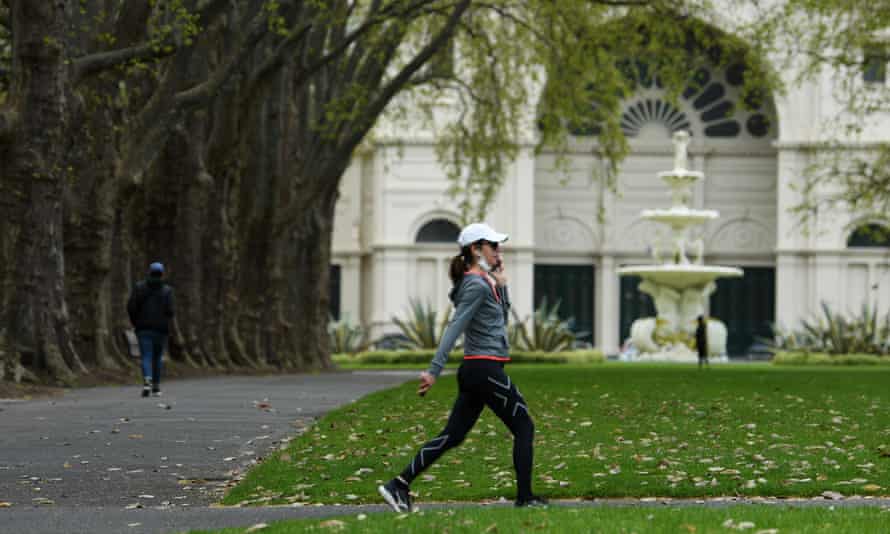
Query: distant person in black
[[701, 341], [151, 308]]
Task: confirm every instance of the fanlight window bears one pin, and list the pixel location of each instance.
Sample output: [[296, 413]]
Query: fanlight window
[[711, 101], [438, 231]]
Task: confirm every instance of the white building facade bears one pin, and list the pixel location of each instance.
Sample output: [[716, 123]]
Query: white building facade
[[395, 225]]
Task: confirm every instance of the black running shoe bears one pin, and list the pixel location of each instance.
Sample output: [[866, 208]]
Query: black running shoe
[[146, 389], [532, 502], [396, 495]]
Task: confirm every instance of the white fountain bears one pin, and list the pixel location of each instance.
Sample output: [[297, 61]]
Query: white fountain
[[678, 286]]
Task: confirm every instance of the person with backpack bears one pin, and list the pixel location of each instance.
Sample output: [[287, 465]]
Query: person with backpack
[[150, 308], [482, 305]]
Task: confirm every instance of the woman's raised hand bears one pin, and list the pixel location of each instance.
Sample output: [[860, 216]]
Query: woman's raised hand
[[500, 277], [426, 382]]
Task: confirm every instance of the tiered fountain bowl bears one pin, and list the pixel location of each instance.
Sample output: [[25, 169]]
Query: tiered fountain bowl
[[678, 286]]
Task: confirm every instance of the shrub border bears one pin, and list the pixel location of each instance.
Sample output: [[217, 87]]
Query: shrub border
[[424, 357], [821, 358]]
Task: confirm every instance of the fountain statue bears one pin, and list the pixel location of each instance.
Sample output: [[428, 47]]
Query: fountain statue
[[678, 287]]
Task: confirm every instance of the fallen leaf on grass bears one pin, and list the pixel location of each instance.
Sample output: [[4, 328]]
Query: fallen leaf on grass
[[334, 524], [258, 526]]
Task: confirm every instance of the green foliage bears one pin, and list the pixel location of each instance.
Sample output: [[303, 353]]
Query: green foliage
[[173, 24], [549, 332], [818, 358], [347, 338], [845, 38], [423, 357], [422, 327], [837, 334]]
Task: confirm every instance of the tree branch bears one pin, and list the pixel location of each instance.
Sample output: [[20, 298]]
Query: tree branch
[[203, 91], [93, 63], [276, 60], [373, 110]]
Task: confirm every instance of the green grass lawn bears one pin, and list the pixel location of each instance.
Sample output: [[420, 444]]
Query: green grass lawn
[[608, 430], [685, 520]]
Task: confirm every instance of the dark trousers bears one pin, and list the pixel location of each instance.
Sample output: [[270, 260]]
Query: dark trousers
[[151, 345], [483, 383]]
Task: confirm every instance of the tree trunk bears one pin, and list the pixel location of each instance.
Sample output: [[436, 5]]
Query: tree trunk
[[182, 163], [310, 281], [90, 213], [36, 170]]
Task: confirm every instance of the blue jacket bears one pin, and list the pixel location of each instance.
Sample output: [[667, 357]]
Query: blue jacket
[[480, 314]]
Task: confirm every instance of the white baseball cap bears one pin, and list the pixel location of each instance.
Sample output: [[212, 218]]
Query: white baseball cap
[[477, 231]]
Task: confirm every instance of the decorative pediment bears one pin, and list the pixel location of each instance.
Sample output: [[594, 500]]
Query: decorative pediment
[[742, 235], [561, 232]]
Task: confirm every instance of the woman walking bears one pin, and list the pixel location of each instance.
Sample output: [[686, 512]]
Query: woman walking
[[481, 303]]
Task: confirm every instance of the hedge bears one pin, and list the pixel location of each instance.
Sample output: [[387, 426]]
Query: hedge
[[424, 357], [818, 358]]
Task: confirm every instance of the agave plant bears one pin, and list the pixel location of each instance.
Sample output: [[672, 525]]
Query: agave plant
[[423, 327], [347, 338], [549, 332], [834, 333], [788, 340]]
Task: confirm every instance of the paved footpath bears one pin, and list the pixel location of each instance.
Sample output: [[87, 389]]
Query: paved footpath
[[104, 460], [101, 460]]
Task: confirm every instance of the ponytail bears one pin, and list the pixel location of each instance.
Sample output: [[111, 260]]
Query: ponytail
[[459, 265]]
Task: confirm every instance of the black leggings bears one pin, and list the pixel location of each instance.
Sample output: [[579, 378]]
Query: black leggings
[[483, 383]]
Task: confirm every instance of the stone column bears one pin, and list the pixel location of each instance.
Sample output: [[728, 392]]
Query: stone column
[[607, 301]]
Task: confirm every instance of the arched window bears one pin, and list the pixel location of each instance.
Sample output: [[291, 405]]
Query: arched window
[[712, 103], [438, 231], [869, 235]]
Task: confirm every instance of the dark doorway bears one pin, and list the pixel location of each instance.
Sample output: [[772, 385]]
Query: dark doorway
[[748, 307], [334, 296], [572, 286], [634, 305]]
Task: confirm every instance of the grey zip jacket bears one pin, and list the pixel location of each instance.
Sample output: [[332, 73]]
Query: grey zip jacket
[[480, 313]]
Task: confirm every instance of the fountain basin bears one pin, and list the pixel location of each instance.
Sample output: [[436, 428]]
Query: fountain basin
[[681, 276], [679, 218]]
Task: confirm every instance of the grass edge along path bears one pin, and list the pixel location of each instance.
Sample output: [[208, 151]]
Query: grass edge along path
[[608, 431]]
